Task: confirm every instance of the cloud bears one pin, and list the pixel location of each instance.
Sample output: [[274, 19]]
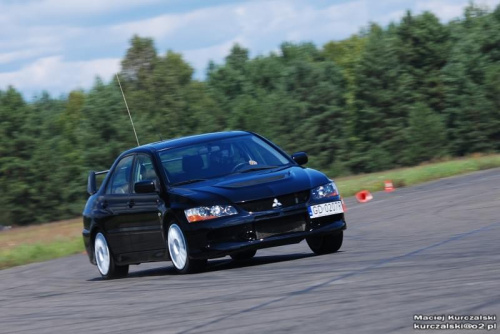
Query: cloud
[[34, 12], [258, 25], [58, 76], [63, 37], [198, 27], [445, 10], [21, 54], [448, 10], [199, 58]]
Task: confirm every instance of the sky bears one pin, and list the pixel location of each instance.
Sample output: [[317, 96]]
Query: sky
[[61, 45]]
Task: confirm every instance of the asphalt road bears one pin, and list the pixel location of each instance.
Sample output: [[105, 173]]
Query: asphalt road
[[432, 249]]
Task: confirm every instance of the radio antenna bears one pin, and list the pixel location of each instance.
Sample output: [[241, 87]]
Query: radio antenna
[[126, 105]]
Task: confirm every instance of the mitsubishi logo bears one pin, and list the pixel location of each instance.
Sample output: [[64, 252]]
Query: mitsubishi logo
[[276, 203]]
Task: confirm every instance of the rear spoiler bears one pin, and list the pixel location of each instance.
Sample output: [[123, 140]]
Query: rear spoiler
[[91, 183]]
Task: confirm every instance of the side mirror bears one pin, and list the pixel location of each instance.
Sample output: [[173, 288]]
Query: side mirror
[[300, 158], [145, 187], [91, 184]]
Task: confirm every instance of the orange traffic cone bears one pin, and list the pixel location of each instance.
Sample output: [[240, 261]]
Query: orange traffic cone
[[364, 196], [388, 186]]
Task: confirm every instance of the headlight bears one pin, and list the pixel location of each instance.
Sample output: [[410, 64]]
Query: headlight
[[209, 212], [324, 191]]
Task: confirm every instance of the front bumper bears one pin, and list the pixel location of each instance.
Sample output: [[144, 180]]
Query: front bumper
[[259, 230]]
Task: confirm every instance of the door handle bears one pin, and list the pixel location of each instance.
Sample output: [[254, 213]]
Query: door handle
[[131, 203]]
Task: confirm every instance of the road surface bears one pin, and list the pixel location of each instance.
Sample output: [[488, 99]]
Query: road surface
[[432, 249]]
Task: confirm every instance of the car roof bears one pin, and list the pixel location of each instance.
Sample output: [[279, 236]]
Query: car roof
[[184, 141]]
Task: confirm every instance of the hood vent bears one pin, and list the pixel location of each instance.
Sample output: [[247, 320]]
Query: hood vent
[[252, 182]]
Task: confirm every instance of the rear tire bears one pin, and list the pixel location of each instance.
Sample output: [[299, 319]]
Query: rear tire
[[245, 255], [104, 259], [179, 252], [326, 244]]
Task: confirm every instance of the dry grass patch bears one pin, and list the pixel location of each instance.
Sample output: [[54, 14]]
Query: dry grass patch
[[41, 234], [23, 245]]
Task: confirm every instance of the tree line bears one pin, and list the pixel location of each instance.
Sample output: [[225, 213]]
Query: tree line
[[414, 91]]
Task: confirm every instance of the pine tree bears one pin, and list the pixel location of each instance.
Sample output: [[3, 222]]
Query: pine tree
[[472, 115], [378, 131]]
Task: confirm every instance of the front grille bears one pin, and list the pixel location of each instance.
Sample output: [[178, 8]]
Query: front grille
[[268, 228], [267, 203]]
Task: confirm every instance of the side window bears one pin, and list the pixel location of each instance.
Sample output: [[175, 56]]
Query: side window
[[144, 169], [120, 180]]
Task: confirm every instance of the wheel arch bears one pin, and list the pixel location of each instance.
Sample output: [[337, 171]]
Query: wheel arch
[[168, 218], [93, 232]]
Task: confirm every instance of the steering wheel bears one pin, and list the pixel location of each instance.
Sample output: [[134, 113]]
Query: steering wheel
[[238, 166]]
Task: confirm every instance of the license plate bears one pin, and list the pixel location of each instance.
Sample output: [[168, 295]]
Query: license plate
[[325, 209]]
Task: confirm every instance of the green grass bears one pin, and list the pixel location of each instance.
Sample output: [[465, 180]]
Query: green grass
[[405, 177], [38, 252], [37, 243]]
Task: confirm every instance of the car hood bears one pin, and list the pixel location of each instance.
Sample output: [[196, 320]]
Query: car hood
[[251, 186]]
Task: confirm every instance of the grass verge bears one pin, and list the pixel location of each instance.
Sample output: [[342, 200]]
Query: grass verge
[[37, 252], [23, 245], [405, 177]]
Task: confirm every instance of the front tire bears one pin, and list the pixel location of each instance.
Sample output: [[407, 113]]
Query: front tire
[[326, 244], [179, 252], [104, 259]]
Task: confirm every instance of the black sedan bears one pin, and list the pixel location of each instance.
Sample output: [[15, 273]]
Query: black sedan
[[207, 196]]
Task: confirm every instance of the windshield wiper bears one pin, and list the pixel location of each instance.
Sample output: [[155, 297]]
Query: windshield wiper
[[284, 167], [188, 182]]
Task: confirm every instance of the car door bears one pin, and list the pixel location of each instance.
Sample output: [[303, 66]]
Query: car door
[[146, 232], [116, 205]]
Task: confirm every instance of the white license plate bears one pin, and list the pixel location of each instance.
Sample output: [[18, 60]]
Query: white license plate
[[325, 209]]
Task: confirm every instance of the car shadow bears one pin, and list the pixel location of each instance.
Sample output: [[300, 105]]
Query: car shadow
[[218, 265], [228, 263]]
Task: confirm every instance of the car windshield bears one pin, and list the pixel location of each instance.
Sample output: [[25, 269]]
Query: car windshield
[[212, 159]]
